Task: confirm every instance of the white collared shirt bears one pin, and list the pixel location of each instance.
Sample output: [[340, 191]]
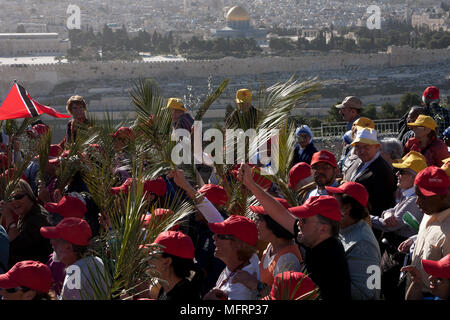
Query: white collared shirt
[[364, 167]]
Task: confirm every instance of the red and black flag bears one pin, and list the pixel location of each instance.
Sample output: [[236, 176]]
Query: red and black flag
[[18, 104]]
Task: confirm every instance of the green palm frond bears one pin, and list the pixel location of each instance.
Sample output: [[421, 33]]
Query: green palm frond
[[284, 290], [281, 98], [209, 101], [44, 148]]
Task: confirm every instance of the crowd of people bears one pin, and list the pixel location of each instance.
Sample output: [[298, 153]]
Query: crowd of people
[[369, 222]]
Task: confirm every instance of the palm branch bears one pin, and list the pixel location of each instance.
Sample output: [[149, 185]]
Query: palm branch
[[44, 148], [284, 292], [210, 99]]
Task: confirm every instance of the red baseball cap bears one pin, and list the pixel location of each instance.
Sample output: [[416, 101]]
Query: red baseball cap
[[214, 193], [298, 172], [55, 150], [432, 181], [440, 269], [8, 174], [260, 209], [324, 156], [291, 285], [326, 206], [257, 177], [354, 189], [239, 226], [157, 186], [177, 244], [124, 132], [67, 207], [73, 230], [3, 161], [40, 129], [30, 274], [431, 93], [158, 214]]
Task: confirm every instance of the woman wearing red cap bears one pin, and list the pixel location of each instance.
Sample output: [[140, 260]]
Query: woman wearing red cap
[[26, 242], [234, 238], [282, 253], [174, 265], [27, 280]]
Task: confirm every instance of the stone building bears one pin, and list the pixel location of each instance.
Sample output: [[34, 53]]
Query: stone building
[[239, 26], [34, 44]]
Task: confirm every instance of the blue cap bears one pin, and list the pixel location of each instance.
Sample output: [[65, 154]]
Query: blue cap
[[304, 129], [447, 132]]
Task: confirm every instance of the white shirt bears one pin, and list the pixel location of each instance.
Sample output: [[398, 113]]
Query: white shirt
[[364, 167], [238, 291]]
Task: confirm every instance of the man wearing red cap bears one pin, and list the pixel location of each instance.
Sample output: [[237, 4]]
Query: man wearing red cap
[[70, 241], [431, 186], [439, 278], [316, 227], [430, 99], [324, 170]]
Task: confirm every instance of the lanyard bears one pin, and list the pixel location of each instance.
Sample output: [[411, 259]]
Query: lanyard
[[231, 274]]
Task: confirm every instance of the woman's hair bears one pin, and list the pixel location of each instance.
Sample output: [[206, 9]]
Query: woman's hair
[[246, 251], [41, 295], [334, 225], [183, 267], [25, 187], [75, 100], [80, 251], [393, 147], [276, 228], [357, 211], [432, 134]]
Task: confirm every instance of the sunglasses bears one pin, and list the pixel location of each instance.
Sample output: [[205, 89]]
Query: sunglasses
[[17, 197], [225, 237], [14, 290]]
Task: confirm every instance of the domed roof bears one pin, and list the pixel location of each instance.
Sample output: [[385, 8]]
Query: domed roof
[[237, 13]]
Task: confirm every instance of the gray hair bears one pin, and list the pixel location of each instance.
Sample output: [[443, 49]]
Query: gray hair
[[393, 147]]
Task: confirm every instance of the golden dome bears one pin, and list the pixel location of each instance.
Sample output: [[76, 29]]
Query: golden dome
[[238, 13]]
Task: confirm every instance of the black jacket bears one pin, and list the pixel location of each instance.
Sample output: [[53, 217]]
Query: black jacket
[[327, 266], [381, 183], [306, 156]]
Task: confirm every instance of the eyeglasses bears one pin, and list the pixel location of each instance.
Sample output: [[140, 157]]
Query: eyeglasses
[[14, 290], [225, 237], [17, 197]]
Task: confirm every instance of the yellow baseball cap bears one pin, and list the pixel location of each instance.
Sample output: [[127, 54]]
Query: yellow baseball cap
[[424, 121], [446, 166], [367, 136], [413, 160], [175, 103], [364, 122], [243, 95]]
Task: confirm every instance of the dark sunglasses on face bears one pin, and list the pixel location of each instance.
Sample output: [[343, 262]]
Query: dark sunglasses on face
[[14, 290], [17, 197], [224, 237]]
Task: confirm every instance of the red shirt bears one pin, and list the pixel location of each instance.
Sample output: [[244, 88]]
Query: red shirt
[[434, 152]]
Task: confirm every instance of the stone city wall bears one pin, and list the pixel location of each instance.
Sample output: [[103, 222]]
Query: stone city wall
[[41, 79]]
